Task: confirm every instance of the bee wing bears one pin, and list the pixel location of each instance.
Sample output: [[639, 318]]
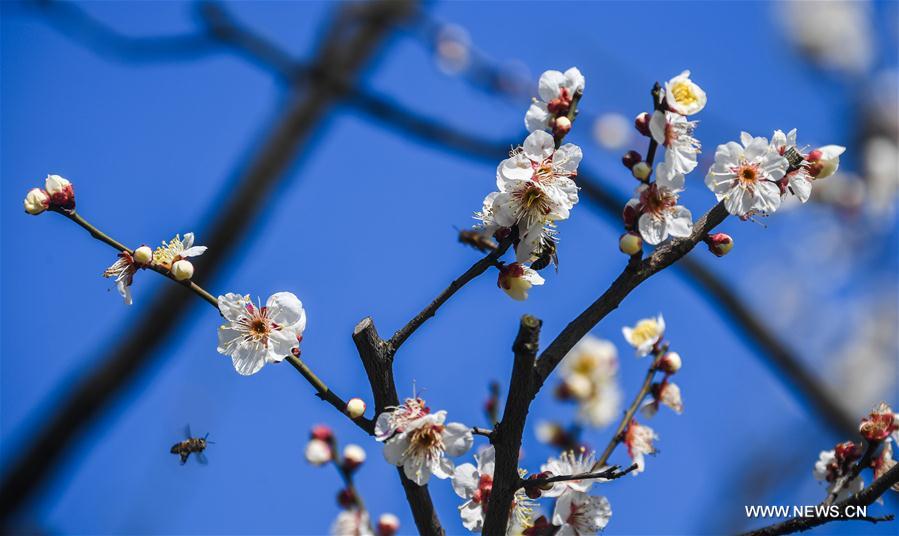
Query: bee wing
[[187, 434], [201, 458]]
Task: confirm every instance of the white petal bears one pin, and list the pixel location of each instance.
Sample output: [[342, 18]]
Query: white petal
[[668, 177], [505, 210], [233, 306], [472, 516], [281, 342], [394, 449], [550, 82], [188, 241], [465, 480], [537, 117], [574, 80], [657, 126], [486, 460], [417, 470], [442, 468], [801, 187], [567, 157], [248, 359], [285, 309], [513, 170], [457, 438], [767, 197], [679, 222], [652, 229], [383, 430], [194, 251], [227, 339], [539, 145]]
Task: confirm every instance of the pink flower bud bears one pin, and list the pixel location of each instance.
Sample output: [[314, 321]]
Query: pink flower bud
[[182, 270], [318, 452], [630, 243], [720, 244], [670, 362], [143, 255], [322, 432], [641, 123], [36, 201], [631, 158], [561, 126], [641, 171], [353, 456], [61, 193], [346, 498], [388, 525], [355, 408]]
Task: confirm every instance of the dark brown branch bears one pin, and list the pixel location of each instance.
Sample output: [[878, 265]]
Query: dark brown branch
[[507, 435], [486, 432], [609, 473], [864, 497], [476, 269], [81, 404], [378, 363]]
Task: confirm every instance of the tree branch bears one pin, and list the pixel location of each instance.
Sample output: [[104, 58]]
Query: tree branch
[[863, 498], [507, 435], [609, 473]]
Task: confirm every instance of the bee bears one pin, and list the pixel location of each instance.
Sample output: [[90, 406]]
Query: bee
[[191, 445], [548, 254], [477, 240]]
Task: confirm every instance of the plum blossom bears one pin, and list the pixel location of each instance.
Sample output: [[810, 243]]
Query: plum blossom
[[746, 176], [661, 216], [579, 514], [884, 462], [254, 335], [36, 201], [123, 271], [879, 424], [675, 133], [645, 335], [834, 465], [517, 279], [683, 95], [797, 180], [569, 463], [474, 484], [398, 418], [639, 442], [535, 188], [589, 373], [421, 448], [665, 393], [175, 250], [352, 522], [556, 91]]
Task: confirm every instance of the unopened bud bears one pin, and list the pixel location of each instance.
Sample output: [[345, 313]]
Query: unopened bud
[[670, 362], [353, 456], [641, 171], [561, 126], [641, 123], [61, 193], [318, 452], [346, 498], [825, 161], [143, 255], [720, 244], [630, 214], [355, 408], [631, 158], [322, 433], [36, 201], [388, 525], [630, 243], [182, 270], [533, 492]]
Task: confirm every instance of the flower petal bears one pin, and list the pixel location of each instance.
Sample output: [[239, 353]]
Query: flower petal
[[457, 438]]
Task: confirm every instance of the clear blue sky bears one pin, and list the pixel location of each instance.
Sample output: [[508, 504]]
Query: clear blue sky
[[364, 225]]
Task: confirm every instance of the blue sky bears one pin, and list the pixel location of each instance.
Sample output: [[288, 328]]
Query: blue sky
[[363, 224]]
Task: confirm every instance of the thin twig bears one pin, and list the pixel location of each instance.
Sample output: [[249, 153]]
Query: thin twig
[[325, 393], [609, 473], [486, 432]]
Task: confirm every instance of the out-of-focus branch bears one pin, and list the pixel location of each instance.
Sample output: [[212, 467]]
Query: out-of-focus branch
[[506, 438], [344, 54], [864, 497], [378, 362]]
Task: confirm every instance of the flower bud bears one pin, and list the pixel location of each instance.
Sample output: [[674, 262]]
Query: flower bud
[[60, 190], [630, 243], [353, 456], [720, 244], [346, 498], [631, 158], [318, 452], [630, 213], [825, 161], [143, 255], [182, 270], [641, 171], [561, 126], [355, 408], [670, 362], [516, 280], [388, 525], [533, 492], [322, 433], [36, 201], [641, 123]]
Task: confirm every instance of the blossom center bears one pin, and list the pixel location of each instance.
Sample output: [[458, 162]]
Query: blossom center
[[683, 93], [645, 330], [427, 441], [748, 174]]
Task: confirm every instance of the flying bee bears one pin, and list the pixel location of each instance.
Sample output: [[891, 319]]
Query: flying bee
[[191, 445], [477, 240]]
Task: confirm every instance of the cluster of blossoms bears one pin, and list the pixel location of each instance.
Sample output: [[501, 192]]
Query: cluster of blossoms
[[473, 483], [353, 519], [589, 378], [840, 468], [57, 194], [170, 257], [647, 338], [535, 184], [420, 441]]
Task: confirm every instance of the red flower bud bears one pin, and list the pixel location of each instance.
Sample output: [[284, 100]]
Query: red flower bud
[[641, 123], [631, 158]]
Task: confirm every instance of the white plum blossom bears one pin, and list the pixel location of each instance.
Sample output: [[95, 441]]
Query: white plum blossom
[[535, 188], [798, 180], [177, 249], [254, 335], [396, 419], [556, 89], [683, 95], [421, 448], [746, 176], [675, 133], [665, 394], [474, 484], [123, 271], [645, 335], [579, 514], [661, 215], [569, 463], [639, 442], [593, 364], [352, 522], [830, 469], [517, 279]]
